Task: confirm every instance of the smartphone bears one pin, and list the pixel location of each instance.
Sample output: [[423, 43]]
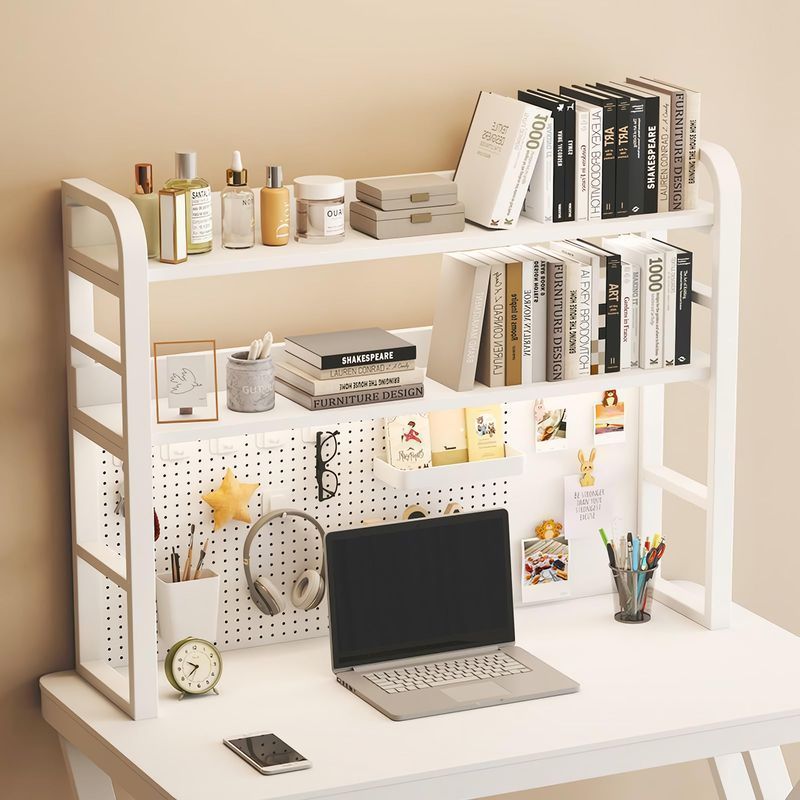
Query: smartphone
[[267, 753]]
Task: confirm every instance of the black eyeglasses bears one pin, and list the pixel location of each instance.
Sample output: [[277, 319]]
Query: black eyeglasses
[[327, 479]]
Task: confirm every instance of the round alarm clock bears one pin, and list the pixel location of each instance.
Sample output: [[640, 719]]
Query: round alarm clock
[[193, 666]]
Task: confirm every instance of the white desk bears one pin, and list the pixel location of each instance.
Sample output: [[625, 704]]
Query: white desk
[[710, 694]]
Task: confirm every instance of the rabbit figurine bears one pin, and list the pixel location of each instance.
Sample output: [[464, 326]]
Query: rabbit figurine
[[587, 467]]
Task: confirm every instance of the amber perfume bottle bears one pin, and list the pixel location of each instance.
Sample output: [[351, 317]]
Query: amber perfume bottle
[[199, 225], [274, 209], [146, 202]]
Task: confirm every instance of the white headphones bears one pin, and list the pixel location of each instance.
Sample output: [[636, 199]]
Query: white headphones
[[307, 591]]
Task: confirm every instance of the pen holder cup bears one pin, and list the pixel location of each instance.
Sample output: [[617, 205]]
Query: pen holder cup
[[634, 594], [188, 608], [250, 384]]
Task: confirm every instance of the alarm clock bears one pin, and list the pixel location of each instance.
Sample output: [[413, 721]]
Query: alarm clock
[[193, 666]]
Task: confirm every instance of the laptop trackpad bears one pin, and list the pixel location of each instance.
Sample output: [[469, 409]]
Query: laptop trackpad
[[476, 691]]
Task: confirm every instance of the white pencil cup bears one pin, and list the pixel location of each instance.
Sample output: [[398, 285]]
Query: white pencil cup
[[188, 608]]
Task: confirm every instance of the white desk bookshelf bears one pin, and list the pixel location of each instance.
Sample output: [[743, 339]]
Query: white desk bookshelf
[[104, 249]]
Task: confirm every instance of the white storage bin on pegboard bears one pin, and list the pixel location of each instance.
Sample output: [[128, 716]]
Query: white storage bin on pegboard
[[187, 608]]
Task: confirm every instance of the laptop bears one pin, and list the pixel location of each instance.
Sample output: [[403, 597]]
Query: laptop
[[422, 617]]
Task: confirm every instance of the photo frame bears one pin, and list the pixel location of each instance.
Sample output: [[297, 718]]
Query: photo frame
[[189, 380]]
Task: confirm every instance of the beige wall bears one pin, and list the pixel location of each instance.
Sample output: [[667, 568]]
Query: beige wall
[[350, 88]]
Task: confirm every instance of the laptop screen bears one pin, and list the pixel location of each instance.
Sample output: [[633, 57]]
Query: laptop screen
[[420, 587]]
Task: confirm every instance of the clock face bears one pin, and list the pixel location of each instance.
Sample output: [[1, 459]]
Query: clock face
[[194, 666]]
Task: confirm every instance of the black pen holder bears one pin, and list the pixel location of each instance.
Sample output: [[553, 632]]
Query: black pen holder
[[634, 594]]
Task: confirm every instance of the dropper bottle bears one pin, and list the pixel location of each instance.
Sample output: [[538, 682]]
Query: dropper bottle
[[238, 208]]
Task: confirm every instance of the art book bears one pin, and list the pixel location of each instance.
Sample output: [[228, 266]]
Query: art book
[[408, 441]]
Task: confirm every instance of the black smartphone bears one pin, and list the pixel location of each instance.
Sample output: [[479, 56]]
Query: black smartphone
[[267, 753]]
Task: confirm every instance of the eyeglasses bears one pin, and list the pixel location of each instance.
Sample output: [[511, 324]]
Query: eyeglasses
[[327, 479]]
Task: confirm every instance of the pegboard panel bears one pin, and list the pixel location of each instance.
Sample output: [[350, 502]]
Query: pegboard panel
[[285, 548]]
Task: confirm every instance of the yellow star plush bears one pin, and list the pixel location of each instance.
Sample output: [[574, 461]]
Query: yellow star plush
[[230, 501]]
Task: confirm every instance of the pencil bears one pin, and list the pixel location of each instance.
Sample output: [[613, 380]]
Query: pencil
[[187, 567], [203, 551]]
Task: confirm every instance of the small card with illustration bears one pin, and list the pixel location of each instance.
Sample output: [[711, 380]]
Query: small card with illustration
[[408, 441], [485, 434], [609, 419], [551, 428], [448, 437]]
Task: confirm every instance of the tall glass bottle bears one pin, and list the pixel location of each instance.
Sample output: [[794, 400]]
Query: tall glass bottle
[[199, 225], [238, 208], [146, 202]]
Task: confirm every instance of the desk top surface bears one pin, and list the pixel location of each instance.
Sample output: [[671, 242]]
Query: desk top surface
[[688, 679]]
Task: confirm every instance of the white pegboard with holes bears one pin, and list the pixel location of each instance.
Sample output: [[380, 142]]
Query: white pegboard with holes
[[285, 466]]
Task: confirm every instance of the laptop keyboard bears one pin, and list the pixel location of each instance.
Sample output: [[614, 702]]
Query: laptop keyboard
[[444, 673]]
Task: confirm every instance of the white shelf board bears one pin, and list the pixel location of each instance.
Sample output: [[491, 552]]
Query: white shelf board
[[446, 476], [288, 415], [360, 247]]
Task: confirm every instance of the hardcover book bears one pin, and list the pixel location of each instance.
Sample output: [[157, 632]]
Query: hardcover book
[[608, 304], [513, 321], [558, 114], [492, 353], [570, 152], [457, 321], [683, 304], [301, 380], [350, 348], [538, 312], [384, 395], [595, 187], [538, 203], [691, 144], [677, 137], [609, 111], [408, 441], [485, 436], [448, 437], [556, 319], [497, 161], [344, 372], [625, 317], [664, 140], [581, 162]]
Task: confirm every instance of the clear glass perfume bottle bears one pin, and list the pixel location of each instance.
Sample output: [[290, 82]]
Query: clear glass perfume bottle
[[199, 225], [146, 202], [238, 208]]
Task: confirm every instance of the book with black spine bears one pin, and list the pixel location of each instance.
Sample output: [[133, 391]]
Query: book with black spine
[[677, 170], [558, 115], [623, 150], [367, 397], [349, 348], [655, 186], [637, 158], [570, 151], [683, 305], [612, 304], [609, 107]]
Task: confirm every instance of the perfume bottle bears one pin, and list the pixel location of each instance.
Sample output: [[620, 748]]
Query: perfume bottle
[[199, 225], [146, 202], [274, 209], [238, 208]]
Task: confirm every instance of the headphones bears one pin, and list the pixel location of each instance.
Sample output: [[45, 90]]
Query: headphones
[[307, 591]]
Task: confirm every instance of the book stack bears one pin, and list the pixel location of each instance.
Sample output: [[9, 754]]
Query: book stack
[[348, 368], [525, 314], [615, 149]]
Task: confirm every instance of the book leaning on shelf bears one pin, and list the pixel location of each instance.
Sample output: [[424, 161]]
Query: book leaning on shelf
[[565, 310], [346, 368]]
